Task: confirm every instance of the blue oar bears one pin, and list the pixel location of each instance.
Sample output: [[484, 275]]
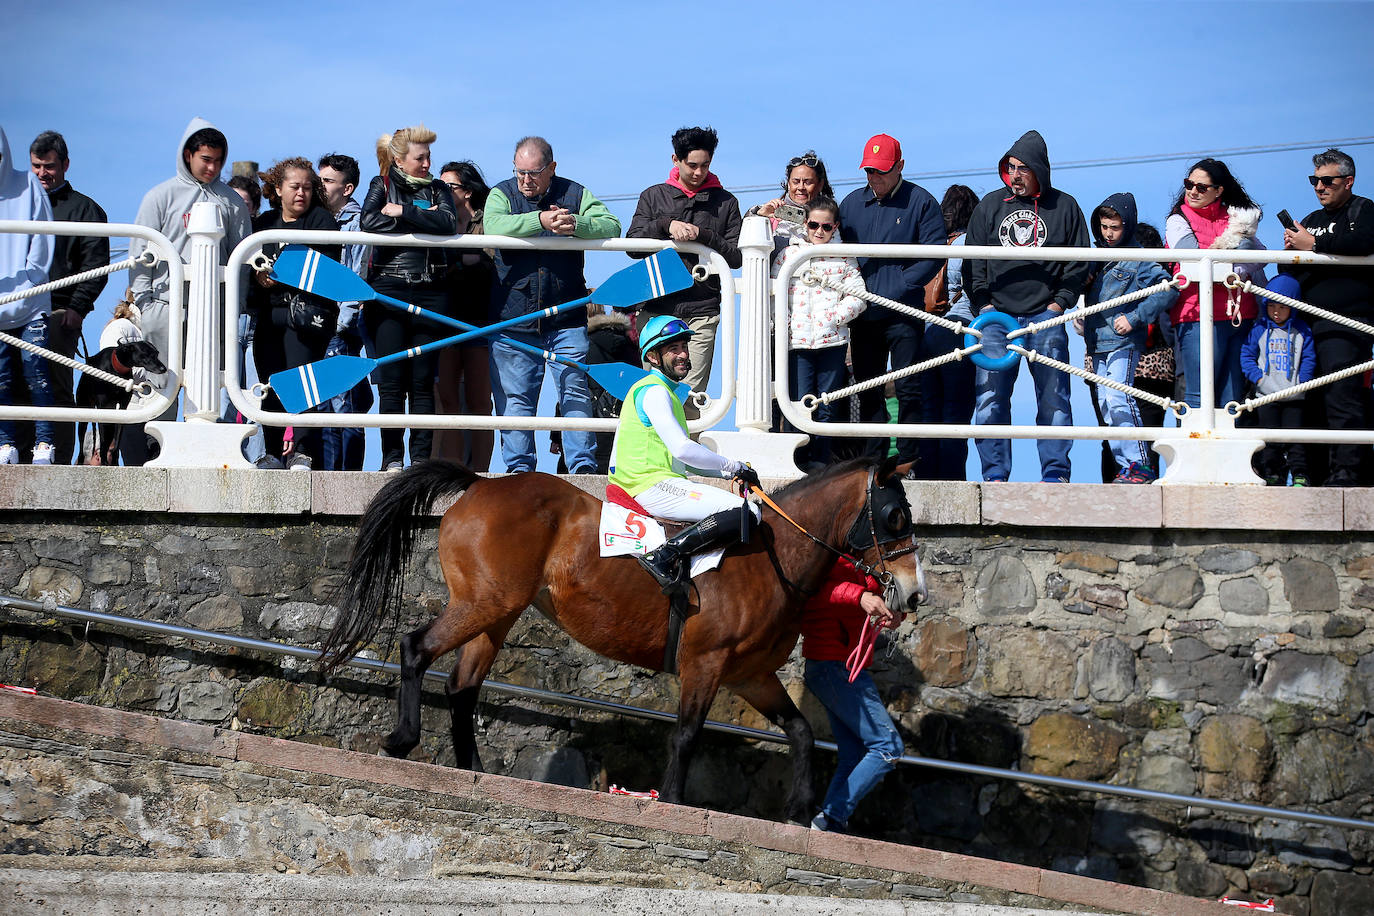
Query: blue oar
[[307, 269], [314, 383]]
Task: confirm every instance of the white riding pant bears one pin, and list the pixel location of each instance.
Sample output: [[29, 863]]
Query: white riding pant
[[681, 500]]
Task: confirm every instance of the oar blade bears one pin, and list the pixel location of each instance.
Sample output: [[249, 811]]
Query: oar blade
[[658, 275], [616, 378], [307, 269], [307, 386]]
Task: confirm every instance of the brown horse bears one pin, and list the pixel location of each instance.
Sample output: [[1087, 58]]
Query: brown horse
[[532, 539]]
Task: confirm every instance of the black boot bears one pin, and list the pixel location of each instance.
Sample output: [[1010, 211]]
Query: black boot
[[668, 564]]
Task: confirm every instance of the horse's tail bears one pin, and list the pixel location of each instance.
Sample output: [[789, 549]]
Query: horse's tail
[[386, 536]]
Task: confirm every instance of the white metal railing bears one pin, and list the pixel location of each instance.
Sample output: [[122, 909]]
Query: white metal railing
[[249, 401], [1203, 448], [1208, 424], [162, 252]]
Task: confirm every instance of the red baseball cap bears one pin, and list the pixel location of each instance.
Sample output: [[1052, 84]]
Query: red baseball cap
[[882, 152]]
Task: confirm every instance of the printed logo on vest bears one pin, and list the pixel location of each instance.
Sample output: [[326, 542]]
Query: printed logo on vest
[[1021, 229]]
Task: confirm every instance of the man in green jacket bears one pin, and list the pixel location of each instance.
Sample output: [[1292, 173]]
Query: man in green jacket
[[536, 202]]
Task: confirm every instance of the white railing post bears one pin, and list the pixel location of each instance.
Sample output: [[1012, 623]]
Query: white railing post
[[769, 453], [1206, 450], [201, 441]]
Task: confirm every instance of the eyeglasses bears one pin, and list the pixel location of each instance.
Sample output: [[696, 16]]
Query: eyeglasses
[[531, 173], [824, 227], [1019, 170], [1201, 187], [454, 186], [1326, 181], [810, 160]]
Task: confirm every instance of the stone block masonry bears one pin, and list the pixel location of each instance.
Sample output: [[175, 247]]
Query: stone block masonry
[[1172, 648]]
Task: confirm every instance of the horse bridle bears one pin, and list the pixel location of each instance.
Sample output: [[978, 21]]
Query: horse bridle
[[892, 514]]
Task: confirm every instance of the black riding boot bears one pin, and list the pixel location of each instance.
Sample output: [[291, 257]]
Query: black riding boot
[[667, 564]]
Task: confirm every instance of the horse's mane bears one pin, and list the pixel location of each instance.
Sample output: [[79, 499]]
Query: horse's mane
[[804, 485]]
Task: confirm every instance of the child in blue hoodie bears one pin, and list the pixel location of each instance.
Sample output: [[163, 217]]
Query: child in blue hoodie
[[1115, 337], [1279, 354]]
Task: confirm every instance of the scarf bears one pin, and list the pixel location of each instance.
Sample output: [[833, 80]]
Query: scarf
[[410, 181], [711, 182]]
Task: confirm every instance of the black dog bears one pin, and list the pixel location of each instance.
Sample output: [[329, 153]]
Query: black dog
[[119, 360]]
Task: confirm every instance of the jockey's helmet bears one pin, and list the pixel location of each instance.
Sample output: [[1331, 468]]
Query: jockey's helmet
[[660, 330]]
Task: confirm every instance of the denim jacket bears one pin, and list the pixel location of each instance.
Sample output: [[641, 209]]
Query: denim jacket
[[1117, 279]]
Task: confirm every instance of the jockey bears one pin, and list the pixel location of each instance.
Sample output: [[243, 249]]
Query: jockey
[[652, 452]]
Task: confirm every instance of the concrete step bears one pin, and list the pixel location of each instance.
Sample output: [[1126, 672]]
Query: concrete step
[[133, 813]]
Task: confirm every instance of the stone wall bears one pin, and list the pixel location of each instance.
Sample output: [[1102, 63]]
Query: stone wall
[[1234, 664]]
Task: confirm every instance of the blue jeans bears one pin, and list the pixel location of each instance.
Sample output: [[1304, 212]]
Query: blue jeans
[[816, 372], [868, 741], [343, 447], [1229, 384], [15, 363], [516, 378], [1052, 406], [1119, 408]]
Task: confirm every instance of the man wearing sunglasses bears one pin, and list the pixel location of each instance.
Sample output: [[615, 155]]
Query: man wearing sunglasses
[[691, 205], [1027, 213], [652, 453], [1343, 225], [891, 211]]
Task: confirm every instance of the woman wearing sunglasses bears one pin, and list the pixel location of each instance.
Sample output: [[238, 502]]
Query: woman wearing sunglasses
[[803, 181], [1213, 211], [818, 323]]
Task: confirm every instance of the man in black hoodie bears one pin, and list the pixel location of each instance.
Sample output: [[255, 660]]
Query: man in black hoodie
[[1033, 215], [71, 255]]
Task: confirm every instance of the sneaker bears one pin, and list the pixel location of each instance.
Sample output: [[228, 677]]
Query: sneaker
[[994, 480], [298, 463], [1300, 480], [1273, 480], [1054, 480], [821, 822], [42, 453], [269, 463], [395, 466], [1135, 473], [9, 454]]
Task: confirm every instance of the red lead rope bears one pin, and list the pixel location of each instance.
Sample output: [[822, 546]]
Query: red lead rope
[[863, 653]]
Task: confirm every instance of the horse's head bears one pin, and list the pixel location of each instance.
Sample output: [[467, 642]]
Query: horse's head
[[884, 537]]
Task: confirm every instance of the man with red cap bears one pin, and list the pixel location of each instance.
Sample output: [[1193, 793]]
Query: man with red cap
[[889, 210]]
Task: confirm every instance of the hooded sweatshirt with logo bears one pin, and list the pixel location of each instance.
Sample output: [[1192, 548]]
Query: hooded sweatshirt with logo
[[1049, 219], [167, 208], [25, 260]]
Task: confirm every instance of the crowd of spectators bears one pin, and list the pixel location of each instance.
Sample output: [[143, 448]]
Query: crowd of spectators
[[835, 338]]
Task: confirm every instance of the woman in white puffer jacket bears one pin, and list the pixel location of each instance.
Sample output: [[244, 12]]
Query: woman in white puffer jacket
[[818, 322]]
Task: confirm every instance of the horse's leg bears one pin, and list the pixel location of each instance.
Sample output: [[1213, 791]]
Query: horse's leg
[[470, 667], [700, 680], [767, 695], [415, 661]]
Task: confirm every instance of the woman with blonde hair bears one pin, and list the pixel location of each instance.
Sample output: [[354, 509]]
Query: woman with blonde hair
[[406, 198]]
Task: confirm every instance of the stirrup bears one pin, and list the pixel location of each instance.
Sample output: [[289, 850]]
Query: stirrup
[[670, 581]]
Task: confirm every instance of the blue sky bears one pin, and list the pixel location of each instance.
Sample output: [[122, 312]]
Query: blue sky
[[608, 83]]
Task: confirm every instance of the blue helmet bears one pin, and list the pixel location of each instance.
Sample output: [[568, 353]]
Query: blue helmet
[[659, 330]]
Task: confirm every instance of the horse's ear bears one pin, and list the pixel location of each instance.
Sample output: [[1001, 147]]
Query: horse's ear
[[890, 467]]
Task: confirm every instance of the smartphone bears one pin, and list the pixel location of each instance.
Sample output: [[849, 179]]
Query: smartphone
[[790, 213], [1285, 220]]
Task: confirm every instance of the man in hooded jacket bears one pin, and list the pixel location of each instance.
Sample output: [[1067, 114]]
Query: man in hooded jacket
[[201, 154], [1028, 213], [25, 261]]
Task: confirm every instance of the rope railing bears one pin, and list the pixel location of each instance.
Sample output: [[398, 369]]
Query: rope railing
[[814, 278], [148, 258]]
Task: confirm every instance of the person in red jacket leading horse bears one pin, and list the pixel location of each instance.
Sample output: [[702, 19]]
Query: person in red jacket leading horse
[[838, 627]]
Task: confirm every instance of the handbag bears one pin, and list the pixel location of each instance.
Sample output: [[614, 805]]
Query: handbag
[[306, 314]]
